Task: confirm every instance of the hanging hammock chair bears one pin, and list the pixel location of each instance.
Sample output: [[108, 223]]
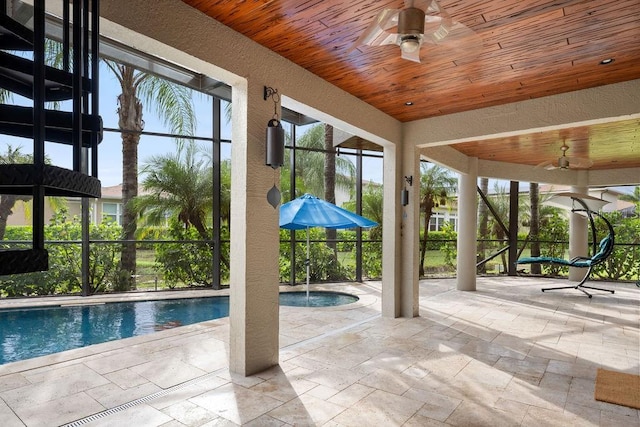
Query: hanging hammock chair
[[601, 251]]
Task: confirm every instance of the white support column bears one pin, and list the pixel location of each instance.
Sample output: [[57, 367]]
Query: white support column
[[391, 234], [254, 309], [410, 234], [467, 227], [578, 237]]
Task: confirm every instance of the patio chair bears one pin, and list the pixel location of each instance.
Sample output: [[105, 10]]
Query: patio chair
[[601, 252]]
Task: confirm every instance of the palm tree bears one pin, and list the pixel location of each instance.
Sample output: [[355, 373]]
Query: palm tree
[[437, 185], [180, 185], [173, 104], [330, 182], [310, 163], [8, 201], [372, 201]]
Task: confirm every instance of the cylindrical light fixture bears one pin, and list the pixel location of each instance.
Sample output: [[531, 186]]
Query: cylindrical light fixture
[[404, 197], [275, 144]]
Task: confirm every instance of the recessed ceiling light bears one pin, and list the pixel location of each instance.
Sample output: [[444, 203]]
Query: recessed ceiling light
[[607, 61], [408, 103]]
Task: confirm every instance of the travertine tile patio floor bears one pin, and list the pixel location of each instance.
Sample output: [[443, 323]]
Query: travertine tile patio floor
[[505, 355]]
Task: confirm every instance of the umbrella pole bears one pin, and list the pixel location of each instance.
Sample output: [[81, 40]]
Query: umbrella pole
[[308, 262]]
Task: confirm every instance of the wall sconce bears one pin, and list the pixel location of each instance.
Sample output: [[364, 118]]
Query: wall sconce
[[404, 195], [275, 132]]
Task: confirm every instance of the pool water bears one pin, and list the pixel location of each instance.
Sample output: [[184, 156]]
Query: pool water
[[316, 299], [32, 332]]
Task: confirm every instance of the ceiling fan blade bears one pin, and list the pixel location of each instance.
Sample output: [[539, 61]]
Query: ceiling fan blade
[[437, 28], [548, 165], [378, 32], [580, 162], [429, 6]]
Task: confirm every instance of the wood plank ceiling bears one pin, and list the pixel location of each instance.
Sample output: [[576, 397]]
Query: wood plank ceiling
[[526, 49]]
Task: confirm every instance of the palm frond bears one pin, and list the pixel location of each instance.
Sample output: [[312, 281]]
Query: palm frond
[[173, 103]]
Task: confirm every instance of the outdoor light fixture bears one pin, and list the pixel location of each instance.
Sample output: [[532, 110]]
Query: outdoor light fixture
[[404, 195], [275, 132]]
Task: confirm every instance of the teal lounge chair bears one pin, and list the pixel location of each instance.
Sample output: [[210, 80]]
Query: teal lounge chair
[[601, 252]]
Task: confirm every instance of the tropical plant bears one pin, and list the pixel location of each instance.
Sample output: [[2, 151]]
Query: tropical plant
[[372, 201], [437, 185], [8, 201], [174, 105], [187, 261], [310, 164], [624, 262], [64, 275], [554, 238], [449, 247], [323, 266], [177, 185], [330, 182], [179, 189]]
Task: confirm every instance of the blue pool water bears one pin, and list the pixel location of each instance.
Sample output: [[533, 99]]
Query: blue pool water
[[316, 299], [33, 332]]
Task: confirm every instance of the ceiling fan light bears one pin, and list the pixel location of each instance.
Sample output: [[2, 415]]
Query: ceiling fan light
[[410, 44]]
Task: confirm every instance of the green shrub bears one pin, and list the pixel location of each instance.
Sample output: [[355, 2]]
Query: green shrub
[[623, 263], [449, 244], [65, 259], [554, 237], [372, 260], [188, 263], [323, 265]]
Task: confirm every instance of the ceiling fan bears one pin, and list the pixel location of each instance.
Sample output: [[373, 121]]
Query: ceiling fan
[[421, 21], [565, 162]]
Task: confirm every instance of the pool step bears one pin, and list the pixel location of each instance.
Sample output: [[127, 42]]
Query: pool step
[[18, 261]]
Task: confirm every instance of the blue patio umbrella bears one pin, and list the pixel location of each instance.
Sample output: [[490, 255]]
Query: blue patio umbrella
[[309, 211]]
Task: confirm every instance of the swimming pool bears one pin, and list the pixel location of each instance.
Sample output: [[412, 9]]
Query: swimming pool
[[32, 332]]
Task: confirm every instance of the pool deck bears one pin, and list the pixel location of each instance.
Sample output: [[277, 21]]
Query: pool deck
[[505, 355]]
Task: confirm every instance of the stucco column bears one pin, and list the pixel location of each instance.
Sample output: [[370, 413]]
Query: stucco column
[[254, 319], [410, 234], [578, 237], [391, 233], [467, 227]]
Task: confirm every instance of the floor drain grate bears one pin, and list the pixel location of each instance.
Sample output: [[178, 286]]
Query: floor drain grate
[[145, 399]]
